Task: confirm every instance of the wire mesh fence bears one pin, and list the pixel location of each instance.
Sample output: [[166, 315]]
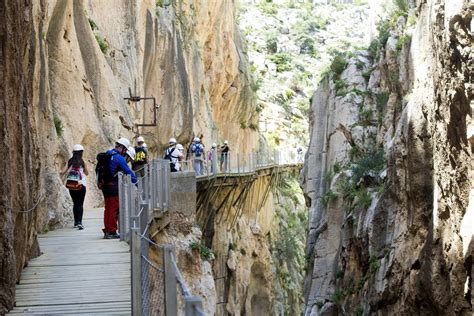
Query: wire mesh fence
[[154, 272]]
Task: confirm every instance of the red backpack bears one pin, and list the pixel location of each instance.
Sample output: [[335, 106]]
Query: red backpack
[[73, 179]]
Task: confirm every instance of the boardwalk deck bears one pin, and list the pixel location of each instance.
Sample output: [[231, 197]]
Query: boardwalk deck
[[78, 273]]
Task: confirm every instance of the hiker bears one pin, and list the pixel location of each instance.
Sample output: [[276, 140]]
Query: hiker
[[141, 158], [299, 153], [115, 162], [76, 172], [131, 155], [224, 156], [197, 150], [211, 156], [173, 155], [181, 157]]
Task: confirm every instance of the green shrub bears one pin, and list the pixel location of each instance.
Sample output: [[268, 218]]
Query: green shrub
[[327, 197], [339, 273], [359, 311], [104, 46], [243, 252], [271, 42], [402, 6], [401, 41], [365, 114], [381, 100], [58, 125], [282, 61], [243, 125], [319, 303], [306, 44], [204, 252], [374, 264], [337, 296], [93, 24], [371, 161], [268, 8], [338, 65]]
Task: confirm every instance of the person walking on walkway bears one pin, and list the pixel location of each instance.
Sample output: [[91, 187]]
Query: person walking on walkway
[[197, 150], [141, 157], [211, 157], [179, 166], [76, 182], [173, 155], [225, 156], [117, 163]]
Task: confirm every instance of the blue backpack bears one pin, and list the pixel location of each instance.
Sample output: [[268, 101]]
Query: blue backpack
[[197, 149]]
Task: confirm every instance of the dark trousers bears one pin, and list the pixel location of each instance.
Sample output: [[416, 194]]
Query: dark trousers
[[78, 197]]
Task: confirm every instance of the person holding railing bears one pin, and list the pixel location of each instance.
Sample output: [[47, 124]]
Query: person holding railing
[[115, 163], [224, 156]]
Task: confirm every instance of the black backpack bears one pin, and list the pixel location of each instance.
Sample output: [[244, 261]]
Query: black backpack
[[168, 156], [102, 169]]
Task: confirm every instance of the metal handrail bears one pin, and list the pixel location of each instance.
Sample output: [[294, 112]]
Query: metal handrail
[[138, 203]]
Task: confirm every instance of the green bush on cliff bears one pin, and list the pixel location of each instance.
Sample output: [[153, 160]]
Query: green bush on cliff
[[204, 252], [104, 46], [282, 61], [58, 125]]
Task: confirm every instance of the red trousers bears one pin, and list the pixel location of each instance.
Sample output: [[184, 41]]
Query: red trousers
[[111, 214]]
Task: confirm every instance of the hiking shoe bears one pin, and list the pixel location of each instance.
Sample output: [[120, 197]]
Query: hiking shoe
[[76, 224], [80, 226], [111, 236]]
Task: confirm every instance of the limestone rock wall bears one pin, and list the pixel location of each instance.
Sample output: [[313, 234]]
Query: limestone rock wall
[[67, 66], [388, 173]]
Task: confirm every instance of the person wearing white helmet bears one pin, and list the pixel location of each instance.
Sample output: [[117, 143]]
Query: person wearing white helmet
[[224, 156], [131, 154], [197, 151], [141, 157], [116, 163], [211, 156], [181, 156], [76, 182], [173, 155]]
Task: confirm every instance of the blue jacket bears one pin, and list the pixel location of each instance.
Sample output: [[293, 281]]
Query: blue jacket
[[118, 163]]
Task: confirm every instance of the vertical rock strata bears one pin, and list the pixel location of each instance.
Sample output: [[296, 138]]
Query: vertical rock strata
[[19, 175], [388, 173]]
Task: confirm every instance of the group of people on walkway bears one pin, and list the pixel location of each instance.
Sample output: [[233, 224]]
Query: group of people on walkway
[[109, 164], [197, 155], [116, 160]]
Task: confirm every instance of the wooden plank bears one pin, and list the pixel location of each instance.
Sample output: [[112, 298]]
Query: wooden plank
[[79, 272]]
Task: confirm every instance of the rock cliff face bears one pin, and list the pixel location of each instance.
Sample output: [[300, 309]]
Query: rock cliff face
[[388, 172], [68, 65]]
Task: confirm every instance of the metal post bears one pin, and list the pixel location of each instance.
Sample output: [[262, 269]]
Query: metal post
[[171, 300], [165, 186], [136, 269], [121, 206], [238, 163], [191, 304], [214, 161]]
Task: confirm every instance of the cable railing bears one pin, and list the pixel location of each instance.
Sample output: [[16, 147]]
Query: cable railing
[[155, 274], [213, 162]]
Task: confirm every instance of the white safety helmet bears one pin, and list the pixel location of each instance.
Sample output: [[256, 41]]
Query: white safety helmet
[[131, 152], [140, 139], [214, 145], [145, 145], [226, 142], [124, 142], [179, 147], [196, 139], [172, 140], [77, 147]]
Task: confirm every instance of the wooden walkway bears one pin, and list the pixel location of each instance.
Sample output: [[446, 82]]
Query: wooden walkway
[[79, 272]]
